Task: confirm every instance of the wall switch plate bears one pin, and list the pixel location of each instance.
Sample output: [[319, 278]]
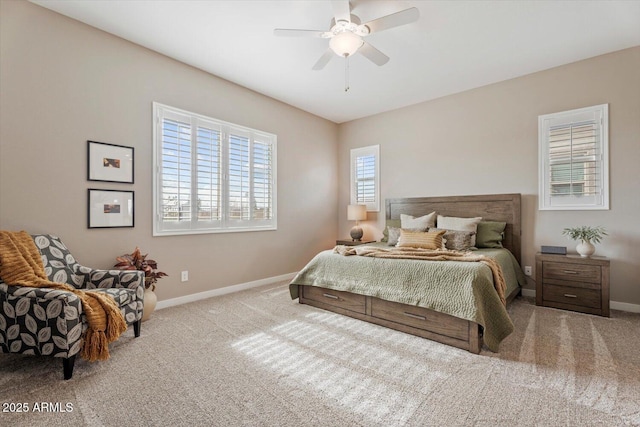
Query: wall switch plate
[[185, 276], [527, 270]]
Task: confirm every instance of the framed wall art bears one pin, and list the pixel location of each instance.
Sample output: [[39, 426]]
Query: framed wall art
[[109, 162], [110, 208]]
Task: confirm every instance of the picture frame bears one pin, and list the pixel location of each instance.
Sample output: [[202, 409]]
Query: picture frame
[[110, 208], [109, 162]]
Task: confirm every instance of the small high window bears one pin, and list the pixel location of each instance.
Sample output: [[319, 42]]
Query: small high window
[[573, 159], [365, 177]]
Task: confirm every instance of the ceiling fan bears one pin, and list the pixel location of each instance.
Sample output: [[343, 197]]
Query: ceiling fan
[[346, 34]]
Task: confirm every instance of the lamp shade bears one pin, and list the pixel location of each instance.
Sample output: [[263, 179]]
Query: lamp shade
[[345, 43], [356, 212]]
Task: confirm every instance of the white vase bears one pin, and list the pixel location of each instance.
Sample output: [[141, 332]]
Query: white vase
[[585, 248], [150, 300]]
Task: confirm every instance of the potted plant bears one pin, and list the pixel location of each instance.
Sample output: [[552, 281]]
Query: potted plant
[[587, 236], [137, 261]]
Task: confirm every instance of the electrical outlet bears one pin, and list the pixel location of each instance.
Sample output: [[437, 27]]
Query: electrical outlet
[[185, 276], [527, 270]]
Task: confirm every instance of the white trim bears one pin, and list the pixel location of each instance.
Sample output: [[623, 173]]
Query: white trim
[[624, 306], [225, 132], [222, 291], [614, 305], [598, 114], [371, 150]]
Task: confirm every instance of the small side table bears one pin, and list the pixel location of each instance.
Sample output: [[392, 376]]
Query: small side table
[[354, 243], [571, 282]]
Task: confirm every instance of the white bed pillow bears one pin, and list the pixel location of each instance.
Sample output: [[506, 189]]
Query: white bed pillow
[[409, 222], [461, 224]]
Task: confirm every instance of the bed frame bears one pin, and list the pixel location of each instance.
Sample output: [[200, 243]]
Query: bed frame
[[421, 321]]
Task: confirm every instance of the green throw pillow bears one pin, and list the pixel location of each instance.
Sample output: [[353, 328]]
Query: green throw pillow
[[490, 234]]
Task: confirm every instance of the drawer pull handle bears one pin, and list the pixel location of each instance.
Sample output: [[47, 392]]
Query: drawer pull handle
[[571, 296], [330, 296], [415, 316], [570, 271]]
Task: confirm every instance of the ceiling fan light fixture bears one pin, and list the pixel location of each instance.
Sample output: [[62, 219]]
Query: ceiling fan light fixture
[[346, 43]]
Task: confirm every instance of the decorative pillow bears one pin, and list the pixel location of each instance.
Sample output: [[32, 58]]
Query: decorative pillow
[[395, 223], [394, 235], [461, 224], [420, 239], [490, 234], [409, 222], [456, 240]]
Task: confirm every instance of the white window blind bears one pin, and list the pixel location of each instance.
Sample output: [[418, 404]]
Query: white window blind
[[211, 176], [208, 179], [365, 177], [574, 159]]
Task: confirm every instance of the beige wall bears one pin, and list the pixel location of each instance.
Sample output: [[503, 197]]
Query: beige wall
[[63, 83], [485, 141]]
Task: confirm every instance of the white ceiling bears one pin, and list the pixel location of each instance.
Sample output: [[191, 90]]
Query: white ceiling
[[454, 46]]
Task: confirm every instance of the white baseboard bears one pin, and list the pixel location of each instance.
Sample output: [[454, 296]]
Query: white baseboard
[[614, 305], [222, 291], [624, 306]]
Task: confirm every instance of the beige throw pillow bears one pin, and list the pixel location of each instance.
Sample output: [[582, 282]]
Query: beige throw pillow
[[420, 239], [461, 224]]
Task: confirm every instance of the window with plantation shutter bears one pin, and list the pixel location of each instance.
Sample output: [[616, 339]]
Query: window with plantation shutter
[[573, 157], [211, 176], [365, 177]]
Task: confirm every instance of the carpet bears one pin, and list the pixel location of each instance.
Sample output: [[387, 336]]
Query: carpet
[[256, 358]]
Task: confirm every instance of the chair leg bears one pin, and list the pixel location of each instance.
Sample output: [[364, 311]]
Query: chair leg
[[136, 328], [67, 366]]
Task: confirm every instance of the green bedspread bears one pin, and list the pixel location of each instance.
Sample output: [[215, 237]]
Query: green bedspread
[[461, 289]]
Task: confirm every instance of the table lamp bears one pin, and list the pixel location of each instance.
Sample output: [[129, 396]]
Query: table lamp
[[356, 213]]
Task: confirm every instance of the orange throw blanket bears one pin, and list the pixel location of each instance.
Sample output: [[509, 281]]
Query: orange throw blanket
[[21, 265]]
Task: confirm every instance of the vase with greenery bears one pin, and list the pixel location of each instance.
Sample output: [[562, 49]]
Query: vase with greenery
[[586, 236], [137, 261]]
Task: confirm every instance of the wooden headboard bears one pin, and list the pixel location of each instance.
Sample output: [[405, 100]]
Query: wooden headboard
[[491, 207]]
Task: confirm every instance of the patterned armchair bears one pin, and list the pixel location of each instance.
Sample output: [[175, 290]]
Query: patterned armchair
[[46, 322]]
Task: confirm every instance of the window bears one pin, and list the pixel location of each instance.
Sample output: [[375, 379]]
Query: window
[[211, 176], [573, 159], [365, 177]]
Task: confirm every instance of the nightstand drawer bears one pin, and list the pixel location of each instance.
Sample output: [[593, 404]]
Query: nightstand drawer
[[343, 300], [571, 295], [573, 272]]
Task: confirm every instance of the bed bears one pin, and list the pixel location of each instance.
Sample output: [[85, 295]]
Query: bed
[[478, 317]]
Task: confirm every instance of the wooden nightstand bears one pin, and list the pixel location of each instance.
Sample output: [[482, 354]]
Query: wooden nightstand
[[352, 243], [571, 282]]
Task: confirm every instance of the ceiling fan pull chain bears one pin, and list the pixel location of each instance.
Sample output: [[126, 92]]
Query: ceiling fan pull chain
[[346, 73]]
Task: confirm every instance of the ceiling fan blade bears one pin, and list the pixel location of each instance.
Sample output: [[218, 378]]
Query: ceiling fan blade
[[394, 20], [298, 33], [341, 10], [373, 54], [324, 60]]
